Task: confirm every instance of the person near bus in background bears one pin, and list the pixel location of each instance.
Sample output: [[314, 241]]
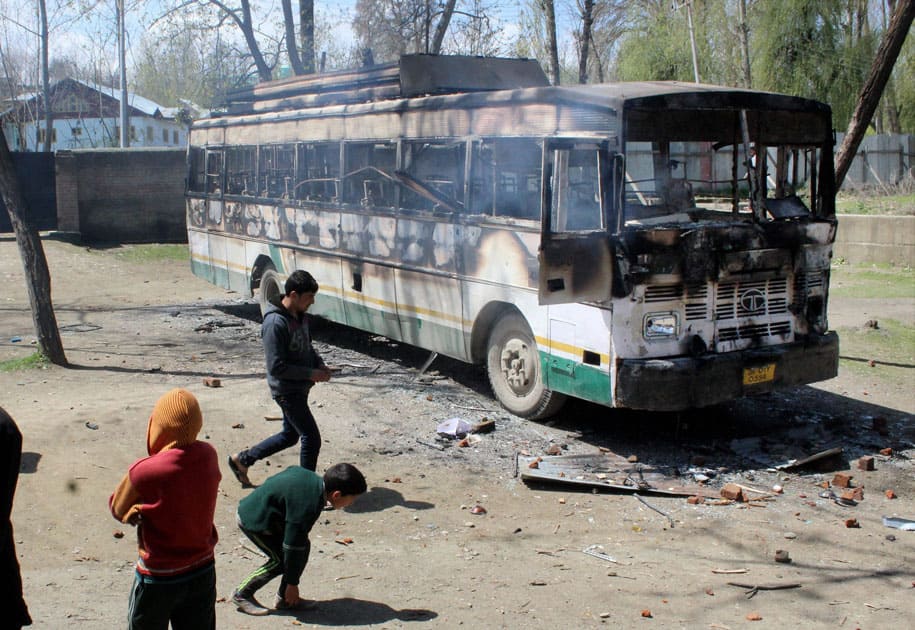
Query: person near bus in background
[[171, 497], [12, 604], [293, 367]]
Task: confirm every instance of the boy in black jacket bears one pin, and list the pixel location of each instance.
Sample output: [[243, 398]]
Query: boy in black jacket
[[278, 517], [293, 367]]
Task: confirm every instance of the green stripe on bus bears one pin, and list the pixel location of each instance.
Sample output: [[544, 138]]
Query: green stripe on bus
[[575, 379]]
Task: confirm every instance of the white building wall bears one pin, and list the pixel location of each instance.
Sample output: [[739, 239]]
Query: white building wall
[[94, 133]]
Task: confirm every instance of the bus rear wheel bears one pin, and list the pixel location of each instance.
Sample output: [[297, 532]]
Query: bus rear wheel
[[270, 288], [513, 367]]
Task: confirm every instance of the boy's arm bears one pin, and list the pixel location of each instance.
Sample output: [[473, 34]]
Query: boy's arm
[[125, 502], [296, 548]]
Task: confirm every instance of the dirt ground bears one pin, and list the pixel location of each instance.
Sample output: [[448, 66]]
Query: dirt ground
[[419, 556]]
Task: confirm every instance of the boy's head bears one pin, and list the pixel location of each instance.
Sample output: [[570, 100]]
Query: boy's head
[[301, 281], [175, 421], [342, 484], [300, 292]]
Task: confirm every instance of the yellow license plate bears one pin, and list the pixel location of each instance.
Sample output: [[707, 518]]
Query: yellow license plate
[[759, 374]]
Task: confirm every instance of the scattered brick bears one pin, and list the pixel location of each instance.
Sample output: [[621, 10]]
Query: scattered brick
[[646, 613], [842, 480], [632, 459], [890, 494], [851, 523], [866, 463], [782, 556], [210, 381], [853, 494], [754, 616], [886, 451], [695, 500], [554, 449], [732, 491]]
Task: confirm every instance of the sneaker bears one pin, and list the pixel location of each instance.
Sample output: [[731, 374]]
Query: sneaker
[[240, 471], [249, 605], [304, 604]]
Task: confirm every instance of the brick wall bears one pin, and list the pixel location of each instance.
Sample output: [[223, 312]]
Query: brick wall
[[122, 195]]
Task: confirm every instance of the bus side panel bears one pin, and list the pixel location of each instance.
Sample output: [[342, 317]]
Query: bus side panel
[[201, 261], [370, 299], [429, 302], [500, 266], [579, 352]]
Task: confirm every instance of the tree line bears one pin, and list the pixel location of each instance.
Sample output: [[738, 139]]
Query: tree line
[[198, 50]]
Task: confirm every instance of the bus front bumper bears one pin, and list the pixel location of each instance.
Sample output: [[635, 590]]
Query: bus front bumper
[[686, 382]]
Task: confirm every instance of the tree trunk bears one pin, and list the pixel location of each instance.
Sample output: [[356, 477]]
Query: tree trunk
[[292, 46], [442, 27], [247, 30], [38, 278], [870, 94], [743, 31], [307, 27], [549, 10], [587, 21], [45, 83]]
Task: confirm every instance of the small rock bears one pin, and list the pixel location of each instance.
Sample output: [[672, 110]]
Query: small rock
[[790, 535], [211, 381], [852, 523], [754, 616], [782, 556], [889, 494], [646, 613], [633, 459]]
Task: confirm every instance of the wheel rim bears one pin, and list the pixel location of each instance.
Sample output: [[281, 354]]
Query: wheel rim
[[519, 366]]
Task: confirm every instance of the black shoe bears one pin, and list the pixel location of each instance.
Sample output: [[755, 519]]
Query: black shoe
[[249, 605], [240, 471]]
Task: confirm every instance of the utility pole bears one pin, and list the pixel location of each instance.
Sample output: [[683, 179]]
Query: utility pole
[[45, 83], [125, 136], [692, 35]]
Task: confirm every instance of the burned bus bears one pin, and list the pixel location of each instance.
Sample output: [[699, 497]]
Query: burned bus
[[654, 246]]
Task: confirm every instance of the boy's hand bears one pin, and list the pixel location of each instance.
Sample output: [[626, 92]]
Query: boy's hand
[[292, 595]]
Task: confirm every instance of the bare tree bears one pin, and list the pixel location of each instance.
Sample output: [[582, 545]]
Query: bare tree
[[870, 94], [307, 29], [34, 263], [549, 12], [243, 19], [45, 84], [584, 39]]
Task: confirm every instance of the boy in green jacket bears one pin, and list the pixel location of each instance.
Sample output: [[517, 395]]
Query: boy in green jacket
[[278, 517]]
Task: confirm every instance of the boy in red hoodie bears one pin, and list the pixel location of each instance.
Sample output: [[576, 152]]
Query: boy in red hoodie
[[171, 497]]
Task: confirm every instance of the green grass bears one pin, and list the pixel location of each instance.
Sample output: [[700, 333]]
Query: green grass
[[859, 203], [35, 361], [153, 253], [871, 281], [891, 348]]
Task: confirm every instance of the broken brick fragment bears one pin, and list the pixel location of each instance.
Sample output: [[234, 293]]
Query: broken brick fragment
[[754, 616], [732, 491], [852, 523], [211, 381], [890, 494], [853, 494], [695, 500], [842, 480], [646, 613], [866, 462], [886, 451]]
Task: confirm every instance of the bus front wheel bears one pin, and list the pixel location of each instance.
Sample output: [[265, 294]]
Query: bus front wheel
[[513, 367], [270, 288]]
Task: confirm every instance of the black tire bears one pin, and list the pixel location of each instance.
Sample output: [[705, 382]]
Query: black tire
[[270, 287], [513, 367]]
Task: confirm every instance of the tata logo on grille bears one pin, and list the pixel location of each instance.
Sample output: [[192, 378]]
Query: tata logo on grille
[[753, 300]]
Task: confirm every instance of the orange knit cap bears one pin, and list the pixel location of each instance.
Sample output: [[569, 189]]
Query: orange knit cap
[[175, 421]]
